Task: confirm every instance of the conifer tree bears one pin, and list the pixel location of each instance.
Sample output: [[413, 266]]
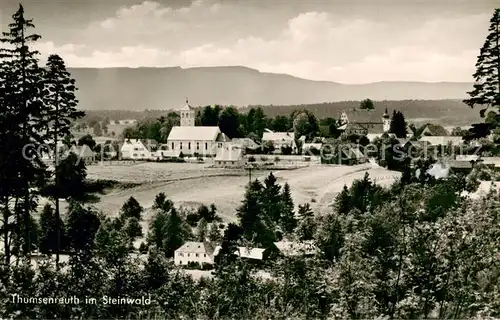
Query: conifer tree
[[288, 221], [22, 94], [343, 201], [486, 90], [398, 125]]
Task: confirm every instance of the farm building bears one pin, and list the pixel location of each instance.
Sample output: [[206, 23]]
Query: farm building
[[229, 157], [190, 139], [280, 140], [245, 143], [443, 140], [293, 249], [138, 149], [250, 254], [194, 252]]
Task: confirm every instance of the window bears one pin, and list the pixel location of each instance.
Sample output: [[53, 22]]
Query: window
[[189, 145], [135, 149], [197, 255], [220, 145], [135, 154], [206, 146], [232, 162], [181, 254], [172, 146], [188, 254], [180, 261], [197, 146], [204, 255], [181, 145]]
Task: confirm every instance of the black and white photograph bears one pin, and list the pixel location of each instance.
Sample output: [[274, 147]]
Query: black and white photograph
[[249, 159]]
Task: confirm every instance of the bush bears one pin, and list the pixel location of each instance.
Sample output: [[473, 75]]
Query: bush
[[181, 155], [277, 159], [263, 158], [307, 159], [193, 265], [206, 266], [143, 248], [251, 159]]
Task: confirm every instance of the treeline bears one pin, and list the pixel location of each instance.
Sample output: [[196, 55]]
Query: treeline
[[236, 124], [444, 112]]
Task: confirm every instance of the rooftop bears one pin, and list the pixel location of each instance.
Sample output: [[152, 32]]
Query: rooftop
[[200, 133]]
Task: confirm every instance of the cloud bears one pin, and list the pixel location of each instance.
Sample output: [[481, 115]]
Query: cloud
[[316, 45]]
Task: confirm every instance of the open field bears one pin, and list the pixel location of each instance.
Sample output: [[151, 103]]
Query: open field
[[190, 185]]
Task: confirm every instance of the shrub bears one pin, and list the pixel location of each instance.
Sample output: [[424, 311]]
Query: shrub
[[277, 159], [251, 159], [206, 266], [263, 158], [181, 155], [143, 248]]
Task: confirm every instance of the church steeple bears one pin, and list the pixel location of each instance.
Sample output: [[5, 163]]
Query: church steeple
[[386, 120], [187, 115]]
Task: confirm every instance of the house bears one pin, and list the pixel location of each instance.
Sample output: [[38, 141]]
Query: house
[[279, 140], [434, 130], [247, 253], [306, 147], [364, 122], [194, 252], [194, 140], [229, 157], [83, 152], [293, 249], [139, 149], [443, 140]]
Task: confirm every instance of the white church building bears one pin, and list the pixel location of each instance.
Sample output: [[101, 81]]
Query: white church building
[[191, 139]]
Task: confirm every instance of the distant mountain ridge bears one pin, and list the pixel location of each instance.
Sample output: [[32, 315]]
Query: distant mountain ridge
[[137, 89]]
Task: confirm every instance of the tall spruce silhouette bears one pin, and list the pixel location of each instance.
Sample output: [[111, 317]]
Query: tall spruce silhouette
[[486, 90]]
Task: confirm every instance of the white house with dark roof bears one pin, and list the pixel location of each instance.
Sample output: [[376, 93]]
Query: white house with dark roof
[[139, 149], [190, 139], [192, 251]]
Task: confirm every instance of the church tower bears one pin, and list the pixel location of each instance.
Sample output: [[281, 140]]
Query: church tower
[[187, 115], [386, 121]]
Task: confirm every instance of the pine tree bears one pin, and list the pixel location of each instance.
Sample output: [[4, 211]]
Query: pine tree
[[252, 217], [83, 224], [60, 111], [272, 206], [131, 209], [398, 125], [23, 122], [214, 234], [48, 231], [307, 226], [486, 90], [343, 201], [201, 231], [288, 221], [175, 233]]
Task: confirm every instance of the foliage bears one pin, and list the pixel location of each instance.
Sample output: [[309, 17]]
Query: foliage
[[398, 124], [486, 90], [367, 104]]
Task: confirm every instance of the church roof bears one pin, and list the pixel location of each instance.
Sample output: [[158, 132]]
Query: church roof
[[364, 116], [200, 133]]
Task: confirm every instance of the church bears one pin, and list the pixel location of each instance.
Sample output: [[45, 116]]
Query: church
[[194, 140], [364, 123]]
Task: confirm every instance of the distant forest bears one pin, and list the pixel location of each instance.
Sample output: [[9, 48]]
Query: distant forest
[[443, 112]]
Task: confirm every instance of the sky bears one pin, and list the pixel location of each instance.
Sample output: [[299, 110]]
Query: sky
[[341, 41]]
